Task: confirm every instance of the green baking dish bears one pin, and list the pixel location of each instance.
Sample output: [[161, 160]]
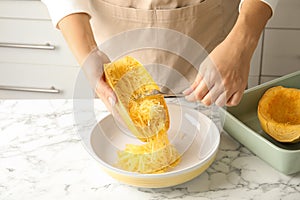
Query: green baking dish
[[241, 123]]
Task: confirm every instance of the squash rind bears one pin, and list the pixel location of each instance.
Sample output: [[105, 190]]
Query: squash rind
[[279, 113]]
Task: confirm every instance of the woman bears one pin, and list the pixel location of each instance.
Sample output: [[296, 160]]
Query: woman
[[229, 37]]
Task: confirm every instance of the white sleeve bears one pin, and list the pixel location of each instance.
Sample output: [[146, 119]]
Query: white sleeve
[[271, 3], [58, 9]]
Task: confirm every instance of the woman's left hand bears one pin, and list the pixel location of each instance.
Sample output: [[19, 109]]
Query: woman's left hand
[[223, 76]]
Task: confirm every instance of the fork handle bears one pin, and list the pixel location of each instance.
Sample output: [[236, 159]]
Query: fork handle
[[173, 95]]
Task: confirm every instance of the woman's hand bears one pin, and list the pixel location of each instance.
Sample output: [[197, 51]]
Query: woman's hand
[[106, 94], [78, 33], [222, 77], [94, 72]]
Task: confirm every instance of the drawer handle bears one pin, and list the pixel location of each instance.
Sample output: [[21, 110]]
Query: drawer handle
[[30, 89], [46, 46]]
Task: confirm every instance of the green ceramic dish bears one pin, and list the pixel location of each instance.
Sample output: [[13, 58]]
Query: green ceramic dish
[[241, 122]]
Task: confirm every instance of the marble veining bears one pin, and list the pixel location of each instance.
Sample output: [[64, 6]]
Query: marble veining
[[42, 157]]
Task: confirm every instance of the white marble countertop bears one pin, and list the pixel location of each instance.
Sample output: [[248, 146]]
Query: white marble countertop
[[42, 157]]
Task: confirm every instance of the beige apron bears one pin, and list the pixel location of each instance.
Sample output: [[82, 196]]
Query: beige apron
[[205, 21]]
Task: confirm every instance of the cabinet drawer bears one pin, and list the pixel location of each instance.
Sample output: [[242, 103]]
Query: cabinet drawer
[[34, 42], [286, 15], [29, 9], [34, 79], [281, 54]]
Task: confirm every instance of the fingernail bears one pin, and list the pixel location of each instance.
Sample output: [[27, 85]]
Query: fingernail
[[187, 91], [112, 101]]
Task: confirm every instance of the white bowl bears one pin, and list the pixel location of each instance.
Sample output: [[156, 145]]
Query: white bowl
[[194, 135]]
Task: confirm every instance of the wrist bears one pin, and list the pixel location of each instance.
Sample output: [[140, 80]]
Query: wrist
[[242, 39], [78, 33], [93, 66], [252, 19]]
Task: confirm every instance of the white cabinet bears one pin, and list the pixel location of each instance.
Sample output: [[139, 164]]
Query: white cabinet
[[35, 61], [279, 50], [33, 41], [36, 81], [23, 9]]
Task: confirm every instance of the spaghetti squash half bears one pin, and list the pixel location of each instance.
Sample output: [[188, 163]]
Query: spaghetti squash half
[[279, 113], [147, 117]]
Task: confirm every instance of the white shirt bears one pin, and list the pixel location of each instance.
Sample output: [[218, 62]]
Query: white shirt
[[271, 3], [58, 9]]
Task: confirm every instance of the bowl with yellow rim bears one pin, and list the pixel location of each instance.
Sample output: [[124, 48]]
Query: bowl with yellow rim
[[193, 134]]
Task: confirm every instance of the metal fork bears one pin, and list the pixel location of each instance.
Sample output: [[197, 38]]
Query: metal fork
[[166, 95]]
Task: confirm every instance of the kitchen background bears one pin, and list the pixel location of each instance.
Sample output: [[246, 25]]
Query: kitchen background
[[42, 156], [35, 57]]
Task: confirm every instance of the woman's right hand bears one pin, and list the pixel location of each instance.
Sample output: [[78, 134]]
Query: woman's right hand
[[77, 31], [106, 94], [94, 72]]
